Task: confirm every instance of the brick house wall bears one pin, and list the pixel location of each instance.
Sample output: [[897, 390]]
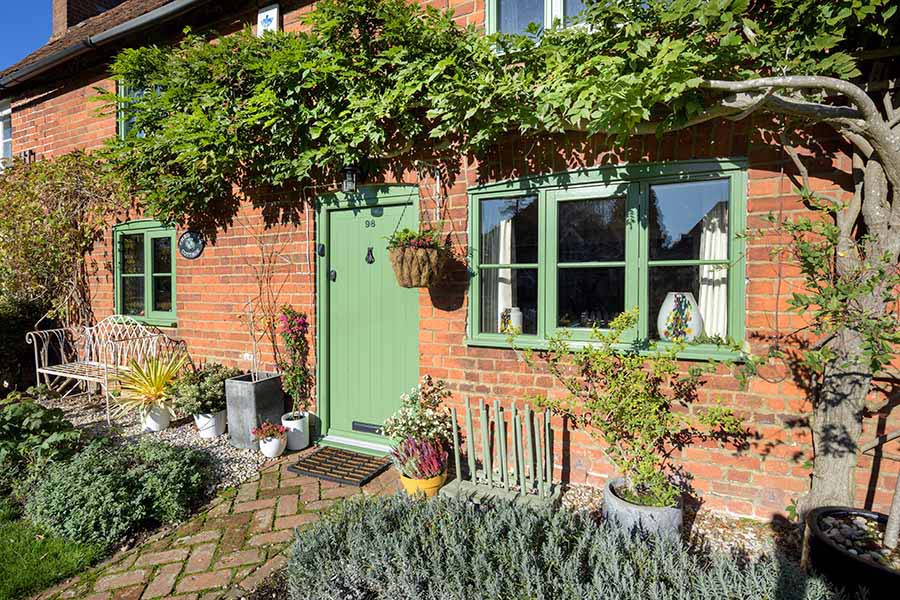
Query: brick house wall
[[759, 481]]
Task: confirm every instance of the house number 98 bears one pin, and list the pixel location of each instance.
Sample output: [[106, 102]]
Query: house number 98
[[370, 223]]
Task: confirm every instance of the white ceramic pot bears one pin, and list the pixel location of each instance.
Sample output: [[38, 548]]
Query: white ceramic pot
[[156, 419], [679, 317], [210, 425], [297, 430], [272, 447]]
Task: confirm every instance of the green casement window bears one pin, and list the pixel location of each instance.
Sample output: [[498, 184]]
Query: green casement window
[[144, 270], [573, 250], [514, 16]]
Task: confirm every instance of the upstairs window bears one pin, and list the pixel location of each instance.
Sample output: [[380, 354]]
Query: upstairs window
[[6, 133], [514, 16], [145, 272]]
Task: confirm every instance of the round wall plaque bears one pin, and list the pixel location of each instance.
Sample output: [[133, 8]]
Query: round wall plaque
[[191, 244]]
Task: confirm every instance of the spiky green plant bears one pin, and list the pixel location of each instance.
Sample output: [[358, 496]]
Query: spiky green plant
[[146, 386]]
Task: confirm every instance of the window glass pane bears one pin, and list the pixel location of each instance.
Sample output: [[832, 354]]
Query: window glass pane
[[690, 303], [7, 150], [592, 230], [509, 299], [162, 255], [590, 297], [133, 296], [572, 7], [132, 253], [509, 230], [689, 221], [513, 16], [162, 293]]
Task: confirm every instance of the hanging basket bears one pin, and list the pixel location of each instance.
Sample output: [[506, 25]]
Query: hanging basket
[[417, 267]]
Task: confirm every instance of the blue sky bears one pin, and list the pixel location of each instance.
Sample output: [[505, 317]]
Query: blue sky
[[24, 27]]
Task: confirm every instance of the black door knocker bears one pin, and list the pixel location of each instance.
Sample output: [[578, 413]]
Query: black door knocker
[[370, 258]]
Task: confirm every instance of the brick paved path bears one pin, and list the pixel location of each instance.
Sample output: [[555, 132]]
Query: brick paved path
[[227, 549]]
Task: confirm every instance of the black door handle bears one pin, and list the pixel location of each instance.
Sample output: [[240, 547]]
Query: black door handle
[[332, 275]]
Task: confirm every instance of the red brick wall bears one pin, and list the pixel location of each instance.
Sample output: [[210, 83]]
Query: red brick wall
[[212, 292], [68, 13]]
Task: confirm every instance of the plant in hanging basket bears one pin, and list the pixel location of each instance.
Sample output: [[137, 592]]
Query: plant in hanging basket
[[418, 257]]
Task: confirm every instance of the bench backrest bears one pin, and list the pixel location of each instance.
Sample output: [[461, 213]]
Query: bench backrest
[[118, 339]]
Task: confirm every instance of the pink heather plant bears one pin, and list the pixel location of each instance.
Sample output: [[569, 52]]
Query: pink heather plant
[[419, 459], [268, 431]]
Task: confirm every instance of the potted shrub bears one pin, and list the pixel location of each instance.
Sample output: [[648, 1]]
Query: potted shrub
[[253, 397], [201, 393], [296, 377], [422, 465], [417, 257], [637, 404], [147, 389], [271, 439]]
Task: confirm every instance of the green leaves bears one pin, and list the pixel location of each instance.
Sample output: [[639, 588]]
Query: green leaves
[[381, 81]]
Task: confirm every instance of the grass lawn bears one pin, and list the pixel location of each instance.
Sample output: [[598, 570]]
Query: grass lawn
[[31, 561]]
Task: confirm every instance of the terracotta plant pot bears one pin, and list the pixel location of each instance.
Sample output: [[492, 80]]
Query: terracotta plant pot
[[428, 487], [417, 267]]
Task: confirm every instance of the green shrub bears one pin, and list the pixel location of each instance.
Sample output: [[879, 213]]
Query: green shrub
[[399, 549], [202, 391], [31, 435], [172, 479], [106, 493], [16, 356]]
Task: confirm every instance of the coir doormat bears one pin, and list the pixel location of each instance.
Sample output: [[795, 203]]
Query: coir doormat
[[340, 466]]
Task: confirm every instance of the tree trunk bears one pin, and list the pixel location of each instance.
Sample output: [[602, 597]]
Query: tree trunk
[[837, 424]]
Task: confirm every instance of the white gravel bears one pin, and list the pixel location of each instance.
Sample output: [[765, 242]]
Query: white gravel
[[231, 466]]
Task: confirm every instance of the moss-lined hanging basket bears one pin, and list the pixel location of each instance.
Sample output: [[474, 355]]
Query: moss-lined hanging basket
[[417, 267]]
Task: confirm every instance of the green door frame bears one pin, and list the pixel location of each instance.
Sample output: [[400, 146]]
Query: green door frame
[[365, 197]]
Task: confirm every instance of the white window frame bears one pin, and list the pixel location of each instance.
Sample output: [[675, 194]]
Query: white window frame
[[553, 10], [5, 111]]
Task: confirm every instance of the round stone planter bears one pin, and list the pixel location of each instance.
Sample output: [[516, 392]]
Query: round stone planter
[[648, 519], [272, 447], [210, 425], [156, 419], [852, 572], [297, 430]]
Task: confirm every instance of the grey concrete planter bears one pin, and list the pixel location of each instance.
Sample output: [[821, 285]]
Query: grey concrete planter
[[250, 403], [649, 519]]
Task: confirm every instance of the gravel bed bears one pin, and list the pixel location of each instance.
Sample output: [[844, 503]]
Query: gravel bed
[[745, 538], [231, 466]]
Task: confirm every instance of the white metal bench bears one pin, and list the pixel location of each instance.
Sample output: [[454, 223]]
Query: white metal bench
[[94, 356]]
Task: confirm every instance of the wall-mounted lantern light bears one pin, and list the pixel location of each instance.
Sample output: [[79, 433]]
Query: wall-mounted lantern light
[[351, 174]]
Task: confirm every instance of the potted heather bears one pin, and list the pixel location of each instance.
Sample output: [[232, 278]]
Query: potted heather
[[296, 376], [422, 465], [271, 438], [638, 404], [417, 257], [201, 393]]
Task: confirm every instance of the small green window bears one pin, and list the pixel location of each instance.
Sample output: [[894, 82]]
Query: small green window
[[144, 259], [571, 251]]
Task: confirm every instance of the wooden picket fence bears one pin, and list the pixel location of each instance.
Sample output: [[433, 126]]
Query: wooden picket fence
[[516, 456]]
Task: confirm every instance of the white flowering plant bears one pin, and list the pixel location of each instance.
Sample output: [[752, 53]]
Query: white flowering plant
[[421, 416]]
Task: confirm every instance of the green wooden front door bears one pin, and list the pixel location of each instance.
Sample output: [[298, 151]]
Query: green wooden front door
[[372, 323]]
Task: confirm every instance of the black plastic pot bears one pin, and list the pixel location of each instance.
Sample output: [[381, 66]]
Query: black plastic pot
[[842, 568]]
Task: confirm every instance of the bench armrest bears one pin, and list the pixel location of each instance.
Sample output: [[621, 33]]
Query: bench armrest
[[48, 343]]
